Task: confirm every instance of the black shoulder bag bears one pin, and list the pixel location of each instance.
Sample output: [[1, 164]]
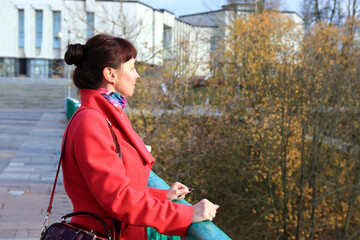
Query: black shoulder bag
[[69, 231]]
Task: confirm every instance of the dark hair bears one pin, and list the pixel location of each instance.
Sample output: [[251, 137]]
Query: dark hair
[[100, 51]]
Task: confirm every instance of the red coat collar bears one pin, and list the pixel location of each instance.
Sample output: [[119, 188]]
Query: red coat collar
[[93, 99]]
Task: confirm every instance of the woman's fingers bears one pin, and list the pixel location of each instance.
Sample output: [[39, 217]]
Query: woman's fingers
[[204, 211], [183, 192], [178, 191]]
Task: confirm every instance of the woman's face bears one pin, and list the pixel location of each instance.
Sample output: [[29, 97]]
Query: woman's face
[[126, 78]]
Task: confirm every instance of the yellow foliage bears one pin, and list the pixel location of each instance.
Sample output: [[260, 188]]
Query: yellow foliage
[[278, 157]]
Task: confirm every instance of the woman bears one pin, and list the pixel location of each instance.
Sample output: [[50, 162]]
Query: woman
[[96, 179]]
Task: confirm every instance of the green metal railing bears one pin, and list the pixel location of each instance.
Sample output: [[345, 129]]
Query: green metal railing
[[196, 231]]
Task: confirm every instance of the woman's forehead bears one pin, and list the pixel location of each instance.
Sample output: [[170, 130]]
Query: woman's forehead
[[131, 61]]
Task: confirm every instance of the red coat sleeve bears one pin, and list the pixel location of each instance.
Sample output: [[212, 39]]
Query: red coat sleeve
[[157, 193], [105, 176]]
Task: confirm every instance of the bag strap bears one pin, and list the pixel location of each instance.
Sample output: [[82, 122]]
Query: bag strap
[[117, 224], [48, 211], [117, 145], [63, 219]]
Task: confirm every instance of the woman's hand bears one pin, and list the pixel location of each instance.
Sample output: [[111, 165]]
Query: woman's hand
[[204, 211], [178, 191]]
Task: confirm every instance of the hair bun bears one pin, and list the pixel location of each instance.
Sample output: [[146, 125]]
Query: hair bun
[[74, 54]]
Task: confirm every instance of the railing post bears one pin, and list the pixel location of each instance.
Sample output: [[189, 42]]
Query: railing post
[[71, 106]]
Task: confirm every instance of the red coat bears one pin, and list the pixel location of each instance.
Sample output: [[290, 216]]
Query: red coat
[[97, 180]]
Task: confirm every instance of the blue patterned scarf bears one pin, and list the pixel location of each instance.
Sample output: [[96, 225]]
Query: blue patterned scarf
[[114, 98]]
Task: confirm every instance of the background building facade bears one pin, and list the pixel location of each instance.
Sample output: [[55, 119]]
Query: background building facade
[[36, 33]]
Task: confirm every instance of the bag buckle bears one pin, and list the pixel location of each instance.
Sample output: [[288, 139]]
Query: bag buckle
[[46, 222]]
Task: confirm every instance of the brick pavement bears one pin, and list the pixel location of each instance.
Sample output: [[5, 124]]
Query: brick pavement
[[30, 142]]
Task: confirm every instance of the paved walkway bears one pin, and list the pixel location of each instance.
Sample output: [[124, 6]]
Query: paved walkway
[[30, 140], [30, 147]]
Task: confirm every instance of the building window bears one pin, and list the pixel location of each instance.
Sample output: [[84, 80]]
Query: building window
[[39, 28], [57, 68], [21, 28], [167, 35], [56, 29], [213, 43], [7, 67], [167, 39], [90, 25], [39, 68]]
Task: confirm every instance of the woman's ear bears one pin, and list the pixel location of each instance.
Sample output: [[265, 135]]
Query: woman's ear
[[109, 74]]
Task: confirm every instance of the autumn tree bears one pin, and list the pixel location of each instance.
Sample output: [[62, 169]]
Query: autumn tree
[[270, 139], [335, 12], [301, 175]]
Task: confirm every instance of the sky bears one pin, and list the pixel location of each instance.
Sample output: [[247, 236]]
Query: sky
[[184, 7]]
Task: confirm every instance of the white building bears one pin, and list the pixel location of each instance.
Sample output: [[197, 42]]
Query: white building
[[220, 19], [36, 33]]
